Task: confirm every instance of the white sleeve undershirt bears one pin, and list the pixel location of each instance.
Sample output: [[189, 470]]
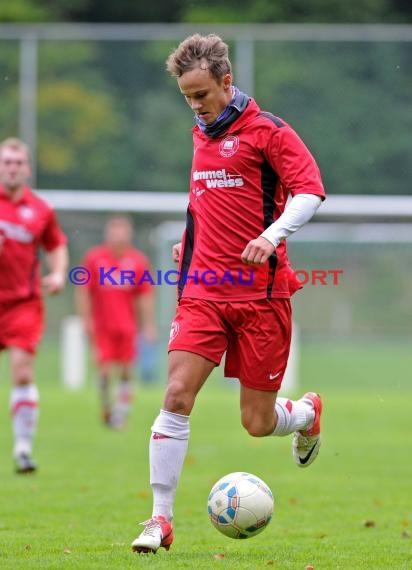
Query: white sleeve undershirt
[[297, 213]]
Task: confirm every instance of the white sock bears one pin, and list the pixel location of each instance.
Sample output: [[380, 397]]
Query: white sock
[[168, 447], [124, 397], [293, 415], [24, 405]]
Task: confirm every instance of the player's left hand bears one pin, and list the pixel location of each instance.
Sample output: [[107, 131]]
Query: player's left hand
[[53, 283], [176, 250], [257, 251]]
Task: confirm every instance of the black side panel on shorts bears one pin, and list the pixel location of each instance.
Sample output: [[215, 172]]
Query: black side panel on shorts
[[187, 252], [269, 179]]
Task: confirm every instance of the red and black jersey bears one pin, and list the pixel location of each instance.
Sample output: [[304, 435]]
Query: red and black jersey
[[113, 305], [240, 183]]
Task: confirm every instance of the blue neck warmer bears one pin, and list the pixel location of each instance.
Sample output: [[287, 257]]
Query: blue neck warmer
[[229, 114]]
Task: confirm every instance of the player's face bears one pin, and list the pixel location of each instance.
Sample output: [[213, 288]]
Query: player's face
[[206, 96], [119, 233], [14, 168]]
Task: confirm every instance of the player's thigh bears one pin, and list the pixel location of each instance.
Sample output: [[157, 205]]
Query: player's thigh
[[259, 352], [199, 327], [257, 411], [198, 340], [186, 376], [21, 324], [21, 366]]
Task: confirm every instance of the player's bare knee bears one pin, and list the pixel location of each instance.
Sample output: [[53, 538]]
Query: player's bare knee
[[23, 376], [178, 399], [259, 431], [256, 427], [22, 381]]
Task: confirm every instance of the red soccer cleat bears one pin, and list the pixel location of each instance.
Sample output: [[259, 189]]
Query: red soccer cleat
[[158, 533], [306, 444]]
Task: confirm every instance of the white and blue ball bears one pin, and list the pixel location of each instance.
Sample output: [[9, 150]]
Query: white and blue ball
[[240, 505]]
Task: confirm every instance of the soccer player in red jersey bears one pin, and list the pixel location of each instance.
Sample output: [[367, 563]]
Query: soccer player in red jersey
[[246, 164], [27, 223], [118, 296]]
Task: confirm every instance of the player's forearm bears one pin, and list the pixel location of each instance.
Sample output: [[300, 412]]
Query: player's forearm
[[147, 316], [298, 212], [82, 302], [58, 260]]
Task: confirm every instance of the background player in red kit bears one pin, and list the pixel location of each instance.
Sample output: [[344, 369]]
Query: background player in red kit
[[246, 163], [27, 223], [111, 311]]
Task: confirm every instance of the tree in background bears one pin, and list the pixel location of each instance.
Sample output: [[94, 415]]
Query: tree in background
[[302, 11], [91, 11], [24, 11], [207, 11], [109, 117]]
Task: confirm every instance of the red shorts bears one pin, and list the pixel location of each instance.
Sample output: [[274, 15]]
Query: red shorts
[[21, 324], [255, 335], [115, 346]]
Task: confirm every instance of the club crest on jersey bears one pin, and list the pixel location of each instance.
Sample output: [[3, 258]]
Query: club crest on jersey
[[25, 212], [229, 146]]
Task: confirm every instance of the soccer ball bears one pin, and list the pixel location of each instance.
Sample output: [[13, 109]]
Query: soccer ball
[[240, 505]]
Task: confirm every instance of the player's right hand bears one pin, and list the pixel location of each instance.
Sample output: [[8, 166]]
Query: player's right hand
[[257, 251], [176, 249], [54, 282]]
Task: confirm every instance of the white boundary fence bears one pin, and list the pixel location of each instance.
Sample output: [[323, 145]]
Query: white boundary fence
[[344, 209], [73, 352], [356, 219]]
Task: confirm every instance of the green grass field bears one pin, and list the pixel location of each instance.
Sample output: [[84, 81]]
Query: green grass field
[[351, 510]]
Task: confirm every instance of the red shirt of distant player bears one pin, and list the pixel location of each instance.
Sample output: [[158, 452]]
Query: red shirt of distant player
[[113, 305], [26, 225], [240, 183]]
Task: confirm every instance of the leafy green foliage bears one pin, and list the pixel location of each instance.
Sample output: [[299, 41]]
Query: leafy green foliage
[[349, 102], [91, 11], [77, 117], [110, 118], [23, 11], [9, 55], [207, 11], [316, 11]]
